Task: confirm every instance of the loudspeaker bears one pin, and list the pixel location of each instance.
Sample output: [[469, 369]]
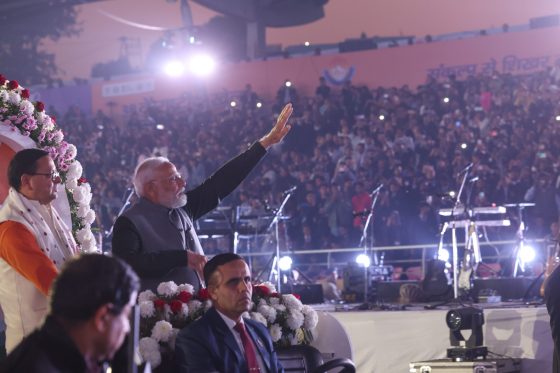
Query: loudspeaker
[[509, 288], [310, 294]]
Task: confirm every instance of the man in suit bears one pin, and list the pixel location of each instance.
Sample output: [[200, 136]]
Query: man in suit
[[222, 340], [156, 235]]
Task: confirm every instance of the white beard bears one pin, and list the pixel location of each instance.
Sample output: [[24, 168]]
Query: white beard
[[180, 201]]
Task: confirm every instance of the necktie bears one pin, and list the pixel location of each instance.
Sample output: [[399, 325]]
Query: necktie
[[250, 354]]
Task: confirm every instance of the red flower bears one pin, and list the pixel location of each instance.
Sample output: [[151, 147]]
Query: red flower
[[25, 93], [184, 296], [82, 180], [159, 304], [297, 296], [261, 290], [176, 306], [2, 79], [203, 295], [275, 295], [13, 84], [40, 106]]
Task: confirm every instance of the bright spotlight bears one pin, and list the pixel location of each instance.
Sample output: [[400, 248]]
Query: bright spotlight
[[233, 104], [452, 194], [382, 117], [174, 68], [526, 254], [363, 260], [285, 263], [446, 99], [443, 255], [307, 44], [558, 118], [288, 83], [463, 146], [202, 65], [259, 105], [160, 126], [192, 39]]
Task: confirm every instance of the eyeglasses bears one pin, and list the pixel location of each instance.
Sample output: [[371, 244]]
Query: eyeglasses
[[54, 175], [173, 179]]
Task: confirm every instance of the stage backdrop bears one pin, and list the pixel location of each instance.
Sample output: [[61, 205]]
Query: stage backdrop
[[516, 52]]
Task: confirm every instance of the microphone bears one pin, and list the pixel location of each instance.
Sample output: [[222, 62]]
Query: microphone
[[376, 190], [289, 190], [473, 179], [469, 166]]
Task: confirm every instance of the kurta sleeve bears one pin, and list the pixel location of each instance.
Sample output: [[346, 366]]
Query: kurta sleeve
[[19, 248]]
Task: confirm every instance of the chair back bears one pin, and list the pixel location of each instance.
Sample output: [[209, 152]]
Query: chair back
[[300, 358]]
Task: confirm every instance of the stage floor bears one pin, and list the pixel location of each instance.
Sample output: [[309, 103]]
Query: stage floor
[[386, 341]]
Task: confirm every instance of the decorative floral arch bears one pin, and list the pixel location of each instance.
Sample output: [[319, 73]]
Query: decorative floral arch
[[24, 124]]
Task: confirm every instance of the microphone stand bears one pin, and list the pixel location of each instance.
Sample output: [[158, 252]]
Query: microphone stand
[[274, 261], [363, 240], [454, 233], [129, 194]]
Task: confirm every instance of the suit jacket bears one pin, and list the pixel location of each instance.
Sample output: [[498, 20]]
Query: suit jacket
[[552, 299], [145, 237], [208, 345]]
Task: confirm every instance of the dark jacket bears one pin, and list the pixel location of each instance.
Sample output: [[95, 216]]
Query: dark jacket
[[47, 350], [207, 345], [552, 298]]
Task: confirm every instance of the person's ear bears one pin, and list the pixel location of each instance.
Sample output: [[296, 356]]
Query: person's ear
[[25, 180], [101, 317]]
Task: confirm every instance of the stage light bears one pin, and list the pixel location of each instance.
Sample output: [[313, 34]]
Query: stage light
[[174, 68], [285, 263], [307, 44], [526, 254], [452, 193], [160, 126], [192, 40], [100, 126], [381, 117], [443, 255], [464, 146], [363, 260], [288, 83], [259, 105], [558, 118], [467, 318], [202, 65], [233, 103], [446, 99]]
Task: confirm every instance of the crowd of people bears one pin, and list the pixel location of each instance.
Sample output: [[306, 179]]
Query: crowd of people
[[344, 143]]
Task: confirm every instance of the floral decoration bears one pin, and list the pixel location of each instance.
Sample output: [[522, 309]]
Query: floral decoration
[[30, 119], [164, 314]]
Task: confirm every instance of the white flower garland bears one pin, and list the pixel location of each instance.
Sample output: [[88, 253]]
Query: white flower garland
[[18, 113]]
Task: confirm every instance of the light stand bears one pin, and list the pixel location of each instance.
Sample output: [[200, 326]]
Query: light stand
[[273, 262], [520, 237], [363, 240]]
